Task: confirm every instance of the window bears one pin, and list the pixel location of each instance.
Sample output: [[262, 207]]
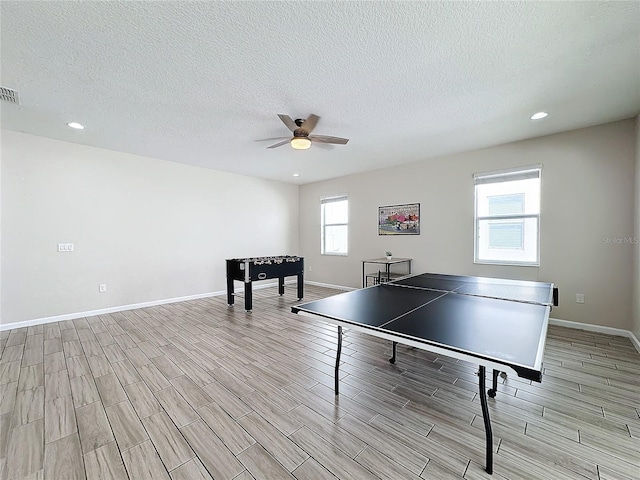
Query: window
[[334, 218], [507, 217]]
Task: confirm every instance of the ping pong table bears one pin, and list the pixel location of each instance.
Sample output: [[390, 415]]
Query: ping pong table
[[499, 324]]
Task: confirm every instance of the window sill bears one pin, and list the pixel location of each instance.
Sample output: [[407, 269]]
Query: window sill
[[506, 264]]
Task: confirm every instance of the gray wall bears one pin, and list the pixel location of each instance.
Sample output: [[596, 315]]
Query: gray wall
[[587, 198], [636, 262], [154, 230], [151, 230]]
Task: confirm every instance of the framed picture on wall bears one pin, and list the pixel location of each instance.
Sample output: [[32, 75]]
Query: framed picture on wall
[[399, 219]]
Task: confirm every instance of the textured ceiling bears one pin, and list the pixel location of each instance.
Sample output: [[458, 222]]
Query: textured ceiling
[[201, 82]]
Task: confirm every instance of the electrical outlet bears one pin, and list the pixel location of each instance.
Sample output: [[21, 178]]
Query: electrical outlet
[[579, 297], [65, 247], [102, 287]]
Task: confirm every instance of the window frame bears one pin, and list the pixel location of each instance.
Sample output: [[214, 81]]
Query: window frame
[[324, 201], [511, 175]]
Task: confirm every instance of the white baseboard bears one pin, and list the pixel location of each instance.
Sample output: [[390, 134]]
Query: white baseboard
[[71, 316], [120, 308], [328, 285], [618, 332]]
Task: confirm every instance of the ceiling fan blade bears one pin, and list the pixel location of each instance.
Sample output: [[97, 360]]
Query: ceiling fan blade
[[286, 119], [310, 123], [328, 139], [279, 144], [267, 139]]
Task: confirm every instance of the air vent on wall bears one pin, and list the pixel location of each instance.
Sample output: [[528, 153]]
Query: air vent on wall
[[8, 95]]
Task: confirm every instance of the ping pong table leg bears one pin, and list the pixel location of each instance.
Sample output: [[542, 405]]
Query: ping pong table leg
[[494, 389], [487, 422], [338, 358], [393, 358]]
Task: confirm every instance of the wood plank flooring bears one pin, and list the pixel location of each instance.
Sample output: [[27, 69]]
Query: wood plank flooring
[[198, 390]]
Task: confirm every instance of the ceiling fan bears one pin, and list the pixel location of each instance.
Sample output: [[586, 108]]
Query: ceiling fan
[[302, 137]]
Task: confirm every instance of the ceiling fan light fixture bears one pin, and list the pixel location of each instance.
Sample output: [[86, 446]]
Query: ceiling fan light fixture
[[300, 143]]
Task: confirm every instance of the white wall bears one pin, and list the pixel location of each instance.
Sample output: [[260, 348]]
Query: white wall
[[151, 230], [1, 227], [587, 195], [636, 262]]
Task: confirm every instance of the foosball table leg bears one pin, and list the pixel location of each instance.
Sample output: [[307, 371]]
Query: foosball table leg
[[248, 297]]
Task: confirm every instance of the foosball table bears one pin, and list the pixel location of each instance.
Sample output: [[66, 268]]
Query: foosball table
[[248, 270]]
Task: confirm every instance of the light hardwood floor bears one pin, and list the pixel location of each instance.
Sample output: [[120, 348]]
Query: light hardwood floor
[[197, 390]]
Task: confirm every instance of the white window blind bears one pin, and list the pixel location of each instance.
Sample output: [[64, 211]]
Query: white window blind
[[507, 217]]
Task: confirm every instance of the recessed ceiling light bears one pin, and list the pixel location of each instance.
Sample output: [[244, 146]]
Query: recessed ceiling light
[[76, 125], [539, 115], [296, 174]]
